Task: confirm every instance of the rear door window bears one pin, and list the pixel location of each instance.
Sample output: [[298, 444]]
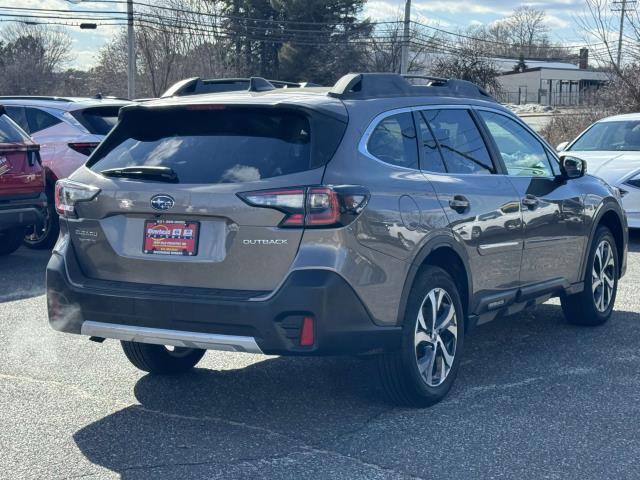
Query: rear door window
[[394, 141], [231, 145], [431, 157], [462, 146], [40, 120]]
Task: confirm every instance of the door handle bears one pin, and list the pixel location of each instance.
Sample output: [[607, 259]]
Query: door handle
[[530, 201], [459, 203]]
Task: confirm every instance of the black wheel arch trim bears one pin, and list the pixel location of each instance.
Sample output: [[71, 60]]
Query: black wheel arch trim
[[433, 244], [608, 205]]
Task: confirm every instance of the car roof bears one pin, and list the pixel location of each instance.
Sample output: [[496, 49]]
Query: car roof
[[62, 103]]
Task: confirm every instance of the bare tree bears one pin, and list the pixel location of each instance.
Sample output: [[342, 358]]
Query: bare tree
[[30, 57], [526, 28], [385, 48], [469, 64], [599, 25]]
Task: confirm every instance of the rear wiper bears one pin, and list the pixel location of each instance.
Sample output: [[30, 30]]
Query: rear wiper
[[160, 174]]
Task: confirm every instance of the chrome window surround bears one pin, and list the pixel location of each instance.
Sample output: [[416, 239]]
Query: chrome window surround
[[364, 140]]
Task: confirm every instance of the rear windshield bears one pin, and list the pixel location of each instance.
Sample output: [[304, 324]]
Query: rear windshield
[[10, 132], [98, 120], [229, 145]]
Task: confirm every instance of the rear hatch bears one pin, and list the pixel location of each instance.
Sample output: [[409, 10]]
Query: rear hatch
[[170, 210], [21, 174]]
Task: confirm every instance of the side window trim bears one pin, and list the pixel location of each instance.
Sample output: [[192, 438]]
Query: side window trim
[[543, 143]]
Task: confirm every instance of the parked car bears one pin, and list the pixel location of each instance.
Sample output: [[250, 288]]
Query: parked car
[[67, 129], [273, 223], [22, 184], [611, 148]]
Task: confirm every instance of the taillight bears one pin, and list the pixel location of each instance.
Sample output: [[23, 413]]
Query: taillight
[[84, 148], [69, 193], [312, 207]]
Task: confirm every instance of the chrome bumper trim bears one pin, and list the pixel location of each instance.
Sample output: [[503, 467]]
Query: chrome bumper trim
[[176, 338]]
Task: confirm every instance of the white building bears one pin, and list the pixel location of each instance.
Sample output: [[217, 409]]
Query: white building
[[550, 85]]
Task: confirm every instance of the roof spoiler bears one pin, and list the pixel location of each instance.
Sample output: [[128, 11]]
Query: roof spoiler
[[360, 86]]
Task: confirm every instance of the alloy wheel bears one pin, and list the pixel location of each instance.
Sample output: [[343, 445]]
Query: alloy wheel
[[435, 337], [603, 275]]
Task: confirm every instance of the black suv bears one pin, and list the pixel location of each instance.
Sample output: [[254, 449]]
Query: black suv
[[375, 217]]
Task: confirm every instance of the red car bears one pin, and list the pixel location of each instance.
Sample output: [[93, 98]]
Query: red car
[[22, 184]]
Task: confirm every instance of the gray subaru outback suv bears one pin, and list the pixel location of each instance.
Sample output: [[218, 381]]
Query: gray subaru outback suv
[[376, 217]]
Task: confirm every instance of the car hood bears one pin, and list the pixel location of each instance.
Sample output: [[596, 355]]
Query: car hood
[[613, 167]]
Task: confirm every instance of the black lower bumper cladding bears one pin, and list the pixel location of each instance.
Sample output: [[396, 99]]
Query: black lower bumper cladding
[[22, 212], [342, 324]]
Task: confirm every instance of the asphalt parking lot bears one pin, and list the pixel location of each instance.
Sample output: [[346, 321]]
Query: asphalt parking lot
[[535, 398]]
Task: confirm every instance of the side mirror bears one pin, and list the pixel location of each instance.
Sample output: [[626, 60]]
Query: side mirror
[[561, 146], [572, 167]]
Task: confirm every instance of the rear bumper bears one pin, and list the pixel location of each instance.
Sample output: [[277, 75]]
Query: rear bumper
[[342, 324], [21, 212]]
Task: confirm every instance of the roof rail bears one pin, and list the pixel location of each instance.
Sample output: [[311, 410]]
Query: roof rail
[[360, 86], [35, 97]]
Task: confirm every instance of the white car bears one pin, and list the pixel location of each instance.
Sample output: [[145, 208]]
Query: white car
[[611, 148], [67, 130]]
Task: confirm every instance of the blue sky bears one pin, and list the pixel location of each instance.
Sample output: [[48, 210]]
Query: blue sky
[[448, 14]]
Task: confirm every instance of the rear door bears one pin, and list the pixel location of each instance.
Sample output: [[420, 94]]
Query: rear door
[[481, 204], [553, 209], [216, 154]]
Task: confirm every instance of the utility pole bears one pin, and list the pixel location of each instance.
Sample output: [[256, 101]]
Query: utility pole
[[131, 52], [621, 6], [404, 59]]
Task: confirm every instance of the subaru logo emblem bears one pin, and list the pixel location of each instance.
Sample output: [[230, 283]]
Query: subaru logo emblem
[[162, 202]]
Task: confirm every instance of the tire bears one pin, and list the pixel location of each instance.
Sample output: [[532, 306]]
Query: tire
[[400, 374], [45, 235], [10, 240], [161, 360], [593, 306]]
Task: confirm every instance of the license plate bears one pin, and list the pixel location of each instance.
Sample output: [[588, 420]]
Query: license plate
[[171, 237]]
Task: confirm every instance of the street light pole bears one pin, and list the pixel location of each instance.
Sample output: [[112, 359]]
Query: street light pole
[[131, 52], [404, 59]]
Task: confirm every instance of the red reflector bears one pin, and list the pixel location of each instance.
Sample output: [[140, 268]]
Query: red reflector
[[307, 335]]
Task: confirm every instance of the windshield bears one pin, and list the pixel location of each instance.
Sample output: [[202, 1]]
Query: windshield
[[622, 136]]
